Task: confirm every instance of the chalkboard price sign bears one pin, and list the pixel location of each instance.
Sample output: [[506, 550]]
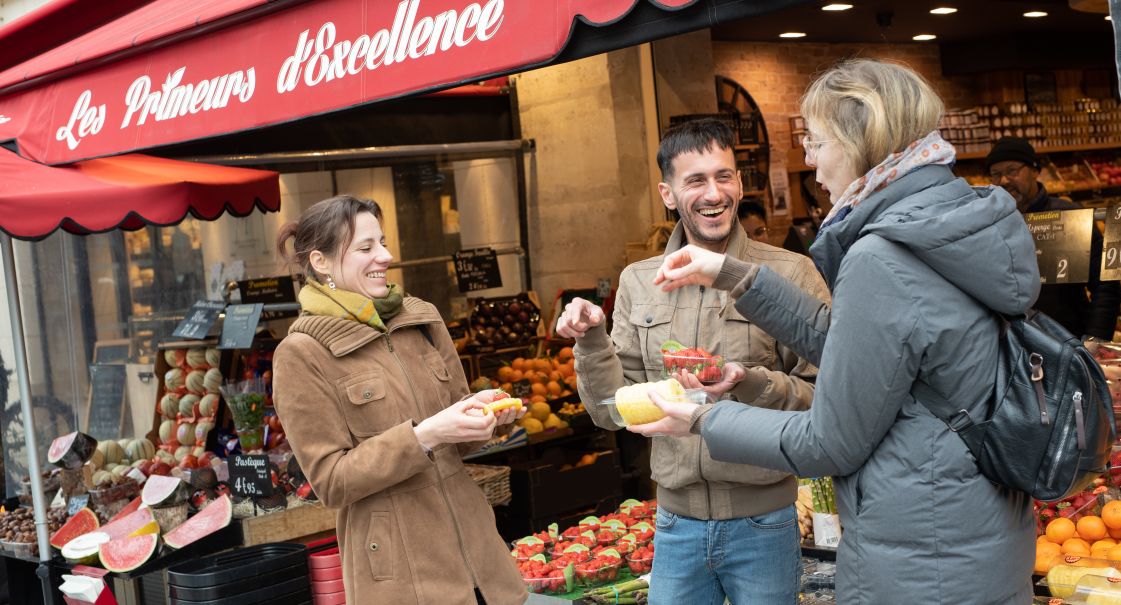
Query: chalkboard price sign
[[477, 269], [270, 290], [250, 475], [202, 315], [107, 401], [240, 326], [1111, 253], [1062, 244], [521, 389]]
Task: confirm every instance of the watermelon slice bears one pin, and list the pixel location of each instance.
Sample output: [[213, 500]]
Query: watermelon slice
[[164, 491], [83, 522], [214, 517], [129, 508], [126, 554], [71, 450], [120, 528], [83, 549]]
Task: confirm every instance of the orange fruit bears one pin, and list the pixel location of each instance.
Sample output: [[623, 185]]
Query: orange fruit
[[555, 376], [1111, 514], [1091, 528], [1044, 563], [1114, 554], [553, 387], [1100, 549], [544, 365], [516, 375], [1113, 533], [518, 364], [1047, 548], [538, 389], [1060, 529], [537, 399], [1042, 538], [504, 374], [1076, 546], [506, 386]]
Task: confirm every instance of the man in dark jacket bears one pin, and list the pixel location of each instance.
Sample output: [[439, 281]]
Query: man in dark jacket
[[1088, 309]]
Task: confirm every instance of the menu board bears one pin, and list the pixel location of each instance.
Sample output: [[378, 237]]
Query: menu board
[[1062, 244], [250, 475], [477, 269], [239, 326], [1111, 248]]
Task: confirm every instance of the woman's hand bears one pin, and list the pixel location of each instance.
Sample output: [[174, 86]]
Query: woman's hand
[[457, 423], [732, 375], [676, 423], [689, 265]]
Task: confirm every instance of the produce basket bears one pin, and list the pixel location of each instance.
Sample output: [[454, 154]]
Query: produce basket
[[493, 480]]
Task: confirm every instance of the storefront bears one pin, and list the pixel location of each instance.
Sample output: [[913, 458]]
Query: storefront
[[547, 164]]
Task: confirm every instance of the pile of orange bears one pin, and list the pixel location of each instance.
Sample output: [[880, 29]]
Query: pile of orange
[[549, 377], [1093, 536]]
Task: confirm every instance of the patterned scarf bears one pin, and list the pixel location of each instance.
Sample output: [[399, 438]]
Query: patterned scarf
[[317, 299], [931, 149]]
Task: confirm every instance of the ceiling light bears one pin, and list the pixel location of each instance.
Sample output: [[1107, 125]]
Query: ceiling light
[[792, 35], [1033, 14], [836, 7], [943, 10], [924, 37]]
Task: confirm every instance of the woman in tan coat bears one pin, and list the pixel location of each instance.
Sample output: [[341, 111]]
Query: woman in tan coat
[[376, 408]]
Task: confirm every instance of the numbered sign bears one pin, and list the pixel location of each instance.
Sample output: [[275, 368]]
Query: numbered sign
[[477, 269], [202, 315], [1062, 244], [250, 475], [1111, 252]]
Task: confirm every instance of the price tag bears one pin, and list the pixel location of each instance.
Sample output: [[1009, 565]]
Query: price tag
[[76, 504], [477, 269], [522, 389], [1111, 252], [250, 475], [1062, 244], [270, 290], [240, 326], [202, 315]]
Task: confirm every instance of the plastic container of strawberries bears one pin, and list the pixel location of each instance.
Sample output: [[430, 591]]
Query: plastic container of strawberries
[[598, 571], [707, 368], [553, 583], [640, 562]]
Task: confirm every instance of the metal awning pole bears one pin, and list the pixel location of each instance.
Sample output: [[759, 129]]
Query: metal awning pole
[[15, 317]]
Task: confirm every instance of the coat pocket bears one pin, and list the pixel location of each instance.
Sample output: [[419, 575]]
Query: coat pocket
[[652, 324], [441, 378], [745, 343], [366, 404], [379, 547]]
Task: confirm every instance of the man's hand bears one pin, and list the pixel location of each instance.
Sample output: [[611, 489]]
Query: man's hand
[[578, 317], [733, 374], [689, 265]]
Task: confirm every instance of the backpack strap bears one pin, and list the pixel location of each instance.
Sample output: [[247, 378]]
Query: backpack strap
[[957, 418]]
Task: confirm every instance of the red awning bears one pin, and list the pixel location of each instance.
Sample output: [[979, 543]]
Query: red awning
[[174, 71], [124, 192]]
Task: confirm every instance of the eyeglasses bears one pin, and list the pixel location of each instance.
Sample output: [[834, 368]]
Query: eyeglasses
[[812, 147], [1009, 173]]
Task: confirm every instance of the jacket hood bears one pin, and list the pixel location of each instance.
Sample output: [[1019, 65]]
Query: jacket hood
[[972, 236]]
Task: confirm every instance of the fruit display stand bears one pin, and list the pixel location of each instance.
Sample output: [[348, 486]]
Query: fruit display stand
[[298, 524]]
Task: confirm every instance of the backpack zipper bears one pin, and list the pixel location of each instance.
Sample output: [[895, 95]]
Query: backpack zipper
[[1079, 424], [1058, 454], [1035, 362]]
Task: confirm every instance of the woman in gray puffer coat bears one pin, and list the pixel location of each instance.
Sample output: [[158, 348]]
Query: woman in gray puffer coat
[[915, 259]]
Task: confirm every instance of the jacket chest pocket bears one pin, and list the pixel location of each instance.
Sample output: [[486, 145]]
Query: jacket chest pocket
[[743, 342], [366, 404], [441, 378], [652, 324]]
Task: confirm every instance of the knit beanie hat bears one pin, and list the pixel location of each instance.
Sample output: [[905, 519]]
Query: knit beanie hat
[[1014, 149]]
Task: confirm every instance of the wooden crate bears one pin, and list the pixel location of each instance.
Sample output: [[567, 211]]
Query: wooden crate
[[289, 525]]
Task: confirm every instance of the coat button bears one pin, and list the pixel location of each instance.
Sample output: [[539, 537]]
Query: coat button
[[367, 394], [374, 546], [649, 318]]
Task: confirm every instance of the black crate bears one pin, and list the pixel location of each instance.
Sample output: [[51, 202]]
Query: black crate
[[542, 489]]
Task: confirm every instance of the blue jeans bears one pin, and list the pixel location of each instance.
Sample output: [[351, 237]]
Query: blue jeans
[[751, 561]]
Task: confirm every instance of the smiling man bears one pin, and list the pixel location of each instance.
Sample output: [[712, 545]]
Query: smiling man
[[723, 529]]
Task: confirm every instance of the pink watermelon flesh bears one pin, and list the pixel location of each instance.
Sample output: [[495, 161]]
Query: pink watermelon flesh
[[126, 554], [120, 528], [83, 522], [129, 508], [159, 489], [214, 517], [60, 446]]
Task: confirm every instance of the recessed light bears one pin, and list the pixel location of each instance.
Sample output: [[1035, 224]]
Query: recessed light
[[923, 37], [836, 7], [1035, 14], [792, 35], [943, 10]]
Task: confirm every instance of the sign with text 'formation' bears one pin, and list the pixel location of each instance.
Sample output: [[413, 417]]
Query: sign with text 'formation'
[[1062, 244]]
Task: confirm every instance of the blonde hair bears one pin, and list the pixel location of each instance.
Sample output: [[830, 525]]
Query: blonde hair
[[872, 108]]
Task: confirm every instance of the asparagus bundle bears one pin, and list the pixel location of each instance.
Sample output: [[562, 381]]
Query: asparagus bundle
[[633, 592], [824, 499]]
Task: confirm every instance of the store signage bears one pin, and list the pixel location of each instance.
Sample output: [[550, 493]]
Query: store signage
[[309, 59], [250, 475], [201, 316], [522, 389], [1062, 244], [77, 503], [1111, 248], [240, 326], [107, 400], [270, 290], [477, 269]]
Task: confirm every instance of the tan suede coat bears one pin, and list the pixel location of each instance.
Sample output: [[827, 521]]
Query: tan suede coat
[[413, 528]]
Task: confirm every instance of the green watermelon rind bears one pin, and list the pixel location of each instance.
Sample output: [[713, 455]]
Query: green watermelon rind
[[112, 550], [89, 555], [85, 514], [220, 509]]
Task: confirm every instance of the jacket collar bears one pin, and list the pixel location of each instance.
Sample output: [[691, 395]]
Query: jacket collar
[[342, 336], [736, 242]]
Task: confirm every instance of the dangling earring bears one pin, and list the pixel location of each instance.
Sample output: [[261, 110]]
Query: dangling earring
[[330, 282]]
